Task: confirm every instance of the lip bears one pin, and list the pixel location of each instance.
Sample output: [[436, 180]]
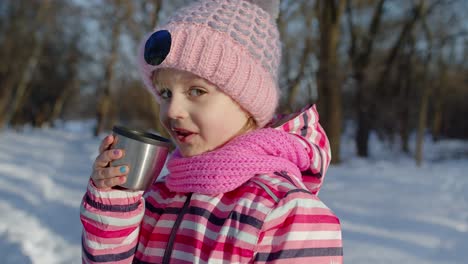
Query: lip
[[183, 135], [178, 129]]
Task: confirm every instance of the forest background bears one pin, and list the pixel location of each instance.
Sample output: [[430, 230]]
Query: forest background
[[396, 68]]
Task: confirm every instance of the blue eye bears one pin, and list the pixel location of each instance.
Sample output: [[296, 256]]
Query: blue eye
[[195, 92], [165, 94]]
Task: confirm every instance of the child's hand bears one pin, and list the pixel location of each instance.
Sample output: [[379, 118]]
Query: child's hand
[[105, 176]]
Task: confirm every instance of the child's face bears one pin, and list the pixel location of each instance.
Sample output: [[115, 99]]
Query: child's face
[[198, 116]]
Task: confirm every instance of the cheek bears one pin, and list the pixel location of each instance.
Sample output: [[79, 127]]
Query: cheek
[[221, 126], [217, 135], [225, 128], [163, 119]]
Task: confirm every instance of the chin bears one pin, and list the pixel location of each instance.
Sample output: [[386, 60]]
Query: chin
[[192, 152], [189, 153]]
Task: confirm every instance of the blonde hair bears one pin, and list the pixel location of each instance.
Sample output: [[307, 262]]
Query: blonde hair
[[249, 125]]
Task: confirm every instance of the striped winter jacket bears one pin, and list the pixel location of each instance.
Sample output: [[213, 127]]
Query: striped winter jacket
[[272, 218]]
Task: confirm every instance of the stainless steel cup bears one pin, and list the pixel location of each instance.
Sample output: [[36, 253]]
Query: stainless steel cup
[[145, 154]]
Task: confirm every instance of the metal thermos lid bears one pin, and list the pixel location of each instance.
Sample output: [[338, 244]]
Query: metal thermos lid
[[144, 137]]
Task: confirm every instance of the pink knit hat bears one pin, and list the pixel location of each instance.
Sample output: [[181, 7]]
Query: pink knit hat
[[232, 43]]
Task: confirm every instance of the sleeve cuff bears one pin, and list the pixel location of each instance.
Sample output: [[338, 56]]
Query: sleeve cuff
[[112, 196]]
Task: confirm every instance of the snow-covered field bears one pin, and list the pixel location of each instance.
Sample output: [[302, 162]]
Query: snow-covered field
[[391, 210]]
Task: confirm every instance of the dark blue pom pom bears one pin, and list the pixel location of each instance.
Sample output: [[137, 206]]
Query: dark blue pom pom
[[157, 47]]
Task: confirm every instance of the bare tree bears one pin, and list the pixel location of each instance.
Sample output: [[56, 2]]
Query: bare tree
[[104, 94], [427, 89], [72, 83], [31, 64], [12, 27], [329, 87], [440, 91], [126, 13], [360, 52], [293, 78]]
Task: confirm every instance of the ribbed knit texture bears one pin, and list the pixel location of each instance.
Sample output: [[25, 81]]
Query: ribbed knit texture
[[223, 170], [232, 43]]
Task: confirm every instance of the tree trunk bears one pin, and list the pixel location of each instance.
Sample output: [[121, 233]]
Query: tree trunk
[[365, 107], [8, 52], [437, 122], [439, 100], [59, 104], [406, 72], [404, 130], [422, 121], [294, 83], [105, 99], [424, 105], [360, 58], [29, 68], [329, 104], [6, 97], [71, 84], [26, 78], [10, 73], [363, 118]]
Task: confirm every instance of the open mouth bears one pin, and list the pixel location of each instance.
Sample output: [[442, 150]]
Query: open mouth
[[183, 135]]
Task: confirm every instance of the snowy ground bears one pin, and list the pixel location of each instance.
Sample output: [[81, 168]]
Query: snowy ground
[[391, 211]]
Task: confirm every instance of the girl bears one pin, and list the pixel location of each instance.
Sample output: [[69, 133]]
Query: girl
[[242, 186]]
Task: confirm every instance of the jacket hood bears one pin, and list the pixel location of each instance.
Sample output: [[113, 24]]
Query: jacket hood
[[304, 126]]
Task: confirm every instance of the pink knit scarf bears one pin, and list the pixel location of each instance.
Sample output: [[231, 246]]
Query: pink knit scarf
[[224, 169]]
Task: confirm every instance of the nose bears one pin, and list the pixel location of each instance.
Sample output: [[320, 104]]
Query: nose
[[176, 108]]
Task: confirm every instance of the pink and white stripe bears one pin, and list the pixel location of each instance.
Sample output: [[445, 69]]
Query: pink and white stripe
[[272, 218]]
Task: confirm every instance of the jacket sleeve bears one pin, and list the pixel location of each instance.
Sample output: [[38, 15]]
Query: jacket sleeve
[[111, 222], [300, 229]]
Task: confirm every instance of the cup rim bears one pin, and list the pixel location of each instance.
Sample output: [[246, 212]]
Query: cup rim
[[142, 136]]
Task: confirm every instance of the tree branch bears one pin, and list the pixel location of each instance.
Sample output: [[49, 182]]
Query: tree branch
[[351, 29], [373, 29]]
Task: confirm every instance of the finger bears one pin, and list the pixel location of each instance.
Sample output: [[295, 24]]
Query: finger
[[103, 159], [109, 183], [110, 172], [100, 184], [106, 143]]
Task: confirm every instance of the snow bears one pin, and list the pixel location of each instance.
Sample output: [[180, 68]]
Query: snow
[[391, 210]]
